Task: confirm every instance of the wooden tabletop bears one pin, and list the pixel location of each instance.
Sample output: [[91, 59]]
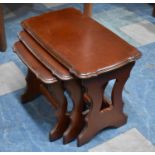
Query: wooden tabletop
[[81, 44], [33, 64], [44, 57]]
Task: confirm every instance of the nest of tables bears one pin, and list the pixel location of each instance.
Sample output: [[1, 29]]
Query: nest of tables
[[65, 50]]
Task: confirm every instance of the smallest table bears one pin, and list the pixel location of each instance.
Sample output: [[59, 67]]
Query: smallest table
[[94, 55], [41, 81]]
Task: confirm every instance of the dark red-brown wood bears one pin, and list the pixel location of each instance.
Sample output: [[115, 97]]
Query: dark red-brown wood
[[88, 9], [84, 46], [53, 90], [38, 78], [94, 55], [2, 31], [74, 89], [32, 88], [33, 64], [100, 116], [153, 13], [55, 94], [44, 57]]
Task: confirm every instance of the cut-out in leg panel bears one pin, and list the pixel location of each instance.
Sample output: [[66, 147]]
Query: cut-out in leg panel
[[105, 103], [98, 119], [32, 90], [77, 119]]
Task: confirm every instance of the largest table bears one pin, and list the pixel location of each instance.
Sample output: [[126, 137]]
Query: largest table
[[94, 55]]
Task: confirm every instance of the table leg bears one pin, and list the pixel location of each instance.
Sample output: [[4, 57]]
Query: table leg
[[2, 31], [88, 9], [98, 117], [56, 93], [77, 118], [153, 13], [32, 90]]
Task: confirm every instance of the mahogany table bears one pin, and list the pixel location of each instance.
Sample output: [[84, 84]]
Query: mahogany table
[[94, 55], [41, 81]]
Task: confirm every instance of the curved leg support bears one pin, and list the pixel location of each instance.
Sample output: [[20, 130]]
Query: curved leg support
[[113, 116], [57, 92], [77, 118]]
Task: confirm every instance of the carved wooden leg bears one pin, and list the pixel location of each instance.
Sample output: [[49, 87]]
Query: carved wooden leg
[[57, 92], [88, 9], [77, 118], [99, 118], [2, 31], [32, 90], [153, 13]]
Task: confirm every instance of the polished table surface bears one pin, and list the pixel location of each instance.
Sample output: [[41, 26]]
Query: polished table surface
[[77, 40], [41, 54], [40, 70]]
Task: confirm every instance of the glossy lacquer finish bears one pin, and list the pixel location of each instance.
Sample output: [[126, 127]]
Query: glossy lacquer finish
[[81, 44], [82, 57], [44, 57], [41, 81], [72, 86], [33, 64], [153, 13]]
